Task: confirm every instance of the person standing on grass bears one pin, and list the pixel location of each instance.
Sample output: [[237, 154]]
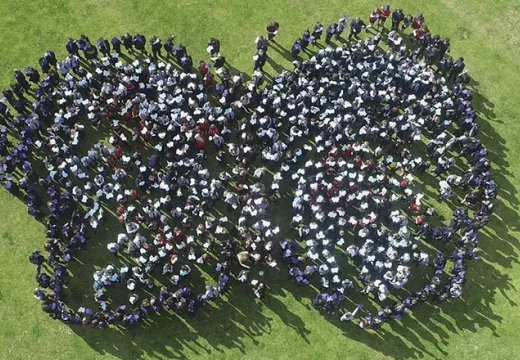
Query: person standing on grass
[[179, 52], [260, 59], [156, 47], [418, 22], [348, 316], [72, 47], [258, 289], [218, 61], [186, 63], [262, 43], [356, 26], [316, 33], [306, 39], [342, 24], [44, 64], [272, 31], [116, 45], [213, 46], [209, 79], [32, 74], [444, 46], [458, 67], [168, 46], [374, 16], [384, 13], [331, 30], [445, 65], [103, 46], [139, 42], [127, 41], [204, 68], [296, 47], [407, 21], [83, 42], [47, 60], [91, 52], [397, 18]]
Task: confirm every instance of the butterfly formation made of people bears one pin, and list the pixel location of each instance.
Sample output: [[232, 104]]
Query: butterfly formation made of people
[[318, 173]]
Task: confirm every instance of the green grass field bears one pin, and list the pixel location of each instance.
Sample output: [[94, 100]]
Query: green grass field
[[484, 324]]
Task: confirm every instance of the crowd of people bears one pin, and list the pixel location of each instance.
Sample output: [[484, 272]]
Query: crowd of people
[[194, 169]]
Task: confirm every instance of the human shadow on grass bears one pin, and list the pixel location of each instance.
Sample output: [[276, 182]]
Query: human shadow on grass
[[225, 323], [223, 326], [286, 54], [276, 67], [431, 324], [434, 324]]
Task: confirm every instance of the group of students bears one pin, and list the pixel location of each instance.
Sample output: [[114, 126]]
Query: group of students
[[376, 21], [365, 110], [356, 207], [154, 174], [359, 195]]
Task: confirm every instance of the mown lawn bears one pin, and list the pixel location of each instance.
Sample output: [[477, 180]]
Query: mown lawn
[[482, 325]]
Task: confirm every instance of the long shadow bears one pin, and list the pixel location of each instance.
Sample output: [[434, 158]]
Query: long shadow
[[485, 282], [235, 71], [276, 67], [226, 323], [221, 332], [286, 54]]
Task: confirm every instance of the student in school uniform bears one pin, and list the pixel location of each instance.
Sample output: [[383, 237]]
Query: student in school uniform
[[272, 31]]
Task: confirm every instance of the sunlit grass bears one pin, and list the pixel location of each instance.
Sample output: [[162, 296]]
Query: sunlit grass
[[483, 325]]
